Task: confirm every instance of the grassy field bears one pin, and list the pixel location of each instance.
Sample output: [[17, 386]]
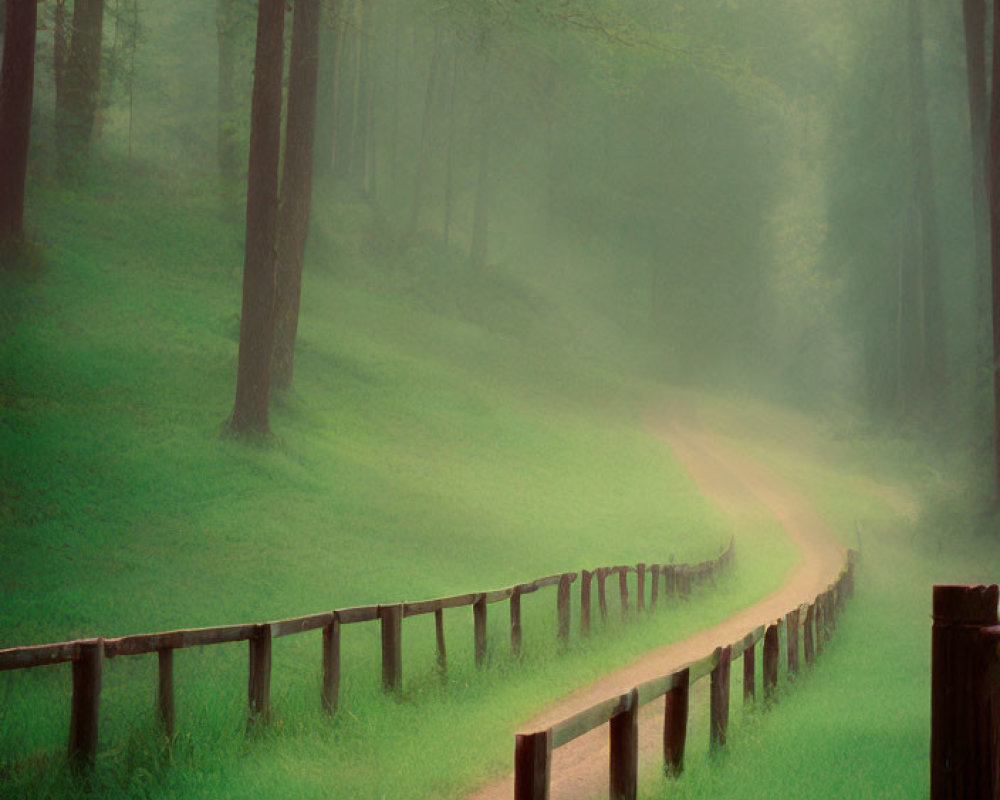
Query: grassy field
[[449, 431]]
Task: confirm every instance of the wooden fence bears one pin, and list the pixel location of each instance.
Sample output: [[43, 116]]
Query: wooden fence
[[965, 693], [533, 750], [87, 656]]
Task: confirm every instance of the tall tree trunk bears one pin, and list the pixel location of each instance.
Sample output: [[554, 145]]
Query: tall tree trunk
[[931, 331], [17, 82], [81, 88], [253, 376], [449, 168], [425, 129], [994, 200], [296, 186], [229, 162]]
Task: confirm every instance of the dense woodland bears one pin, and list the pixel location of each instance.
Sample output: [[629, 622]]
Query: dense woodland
[[512, 215]]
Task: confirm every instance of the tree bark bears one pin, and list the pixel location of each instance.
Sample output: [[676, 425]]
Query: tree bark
[[81, 83], [296, 186], [425, 128], [16, 94], [226, 105], [994, 200], [253, 377]]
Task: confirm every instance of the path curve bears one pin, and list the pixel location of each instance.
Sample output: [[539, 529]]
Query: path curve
[[734, 482]]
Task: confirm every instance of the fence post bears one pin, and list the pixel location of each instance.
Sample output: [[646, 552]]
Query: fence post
[[165, 691], [585, 577], [792, 642], [654, 586], [260, 675], [562, 604], [331, 665], [749, 668], [640, 583], [515, 622], [442, 650], [670, 580], [86, 703], [675, 718], [391, 618], [623, 589], [807, 635], [602, 594], [770, 660], [532, 765], [479, 629], [960, 713], [683, 575], [623, 766], [831, 611], [719, 699], [820, 623]]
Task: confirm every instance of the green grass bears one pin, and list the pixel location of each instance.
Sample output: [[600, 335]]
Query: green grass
[[450, 431]]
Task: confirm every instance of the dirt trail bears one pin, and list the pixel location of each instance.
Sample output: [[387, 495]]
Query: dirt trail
[[736, 483]]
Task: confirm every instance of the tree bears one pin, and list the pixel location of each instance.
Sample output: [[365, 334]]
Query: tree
[[994, 200], [80, 83], [296, 185], [253, 375], [16, 92]]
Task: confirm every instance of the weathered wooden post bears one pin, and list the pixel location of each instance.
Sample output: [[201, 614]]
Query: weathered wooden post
[[670, 580], [331, 665], [165, 691], [391, 618], [770, 660], [684, 580], [623, 766], [562, 603], [792, 642], [831, 611], [820, 623], [749, 668], [532, 765], [654, 586], [86, 703], [479, 629], [640, 587], [961, 720], [623, 590], [442, 651], [807, 635], [719, 699], [585, 577], [259, 688], [602, 595], [675, 718], [515, 622]]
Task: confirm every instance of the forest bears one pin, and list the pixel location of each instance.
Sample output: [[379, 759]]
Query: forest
[[315, 309]]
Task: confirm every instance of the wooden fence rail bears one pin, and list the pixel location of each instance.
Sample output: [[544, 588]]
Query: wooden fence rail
[[87, 656], [533, 749]]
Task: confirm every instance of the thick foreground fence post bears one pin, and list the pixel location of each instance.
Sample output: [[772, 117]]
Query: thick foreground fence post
[[86, 703], [532, 765], [391, 618], [719, 699], [623, 766], [792, 641], [479, 630], [562, 603], [585, 576], [331, 666], [515, 622], [440, 645], [675, 719], [962, 720], [749, 668]]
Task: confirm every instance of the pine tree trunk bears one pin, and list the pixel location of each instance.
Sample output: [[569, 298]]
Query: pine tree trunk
[[994, 200], [425, 129], [250, 412], [81, 88], [296, 186], [16, 93], [226, 105]]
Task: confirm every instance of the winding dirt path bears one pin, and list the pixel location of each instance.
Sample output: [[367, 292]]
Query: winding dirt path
[[737, 484]]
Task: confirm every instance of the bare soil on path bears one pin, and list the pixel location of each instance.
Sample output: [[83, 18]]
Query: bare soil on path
[[737, 484]]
